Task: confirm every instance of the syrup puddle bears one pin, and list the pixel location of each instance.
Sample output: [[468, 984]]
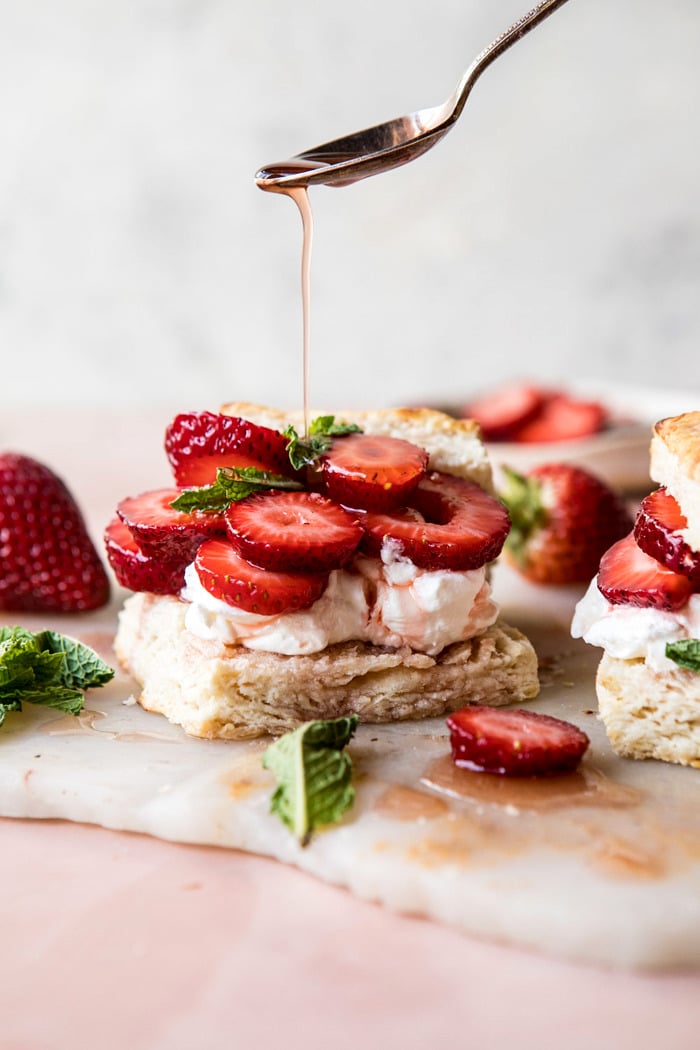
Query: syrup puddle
[[87, 722], [586, 787]]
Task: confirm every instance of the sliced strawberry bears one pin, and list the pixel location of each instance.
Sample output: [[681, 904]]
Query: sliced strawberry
[[563, 520], [657, 531], [514, 742], [373, 471], [226, 575], [134, 570], [293, 531], [459, 526], [563, 418], [197, 443], [48, 562], [503, 411], [161, 532], [629, 576]]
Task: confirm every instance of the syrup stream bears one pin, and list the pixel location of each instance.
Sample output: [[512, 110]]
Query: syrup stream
[[300, 196]]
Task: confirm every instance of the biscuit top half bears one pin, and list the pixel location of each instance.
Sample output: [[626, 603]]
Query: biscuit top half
[[453, 445], [675, 464]]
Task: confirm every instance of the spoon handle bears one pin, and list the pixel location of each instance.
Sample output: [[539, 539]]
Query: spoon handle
[[507, 38]]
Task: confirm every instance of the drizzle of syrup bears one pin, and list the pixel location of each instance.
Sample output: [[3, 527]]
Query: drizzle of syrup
[[586, 787], [300, 196]]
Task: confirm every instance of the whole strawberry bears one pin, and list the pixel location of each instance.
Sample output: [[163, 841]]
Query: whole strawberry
[[563, 520], [47, 560]]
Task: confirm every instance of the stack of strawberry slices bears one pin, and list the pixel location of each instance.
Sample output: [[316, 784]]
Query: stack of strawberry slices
[[344, 571], [266, 516], [643, 609]]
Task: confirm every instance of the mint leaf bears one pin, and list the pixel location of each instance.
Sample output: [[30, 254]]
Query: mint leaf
[[232, 484], [686, 653], [322, 430], [46, 668], [313, 775]]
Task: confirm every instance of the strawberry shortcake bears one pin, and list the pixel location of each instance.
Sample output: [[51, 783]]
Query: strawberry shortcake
[[285, 578], [643, 609]]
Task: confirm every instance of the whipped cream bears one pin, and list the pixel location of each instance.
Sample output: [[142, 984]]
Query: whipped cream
[[385, 601], [629, 633]]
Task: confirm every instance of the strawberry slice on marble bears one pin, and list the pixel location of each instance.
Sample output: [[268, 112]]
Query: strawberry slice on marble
[[658, 532], [162, 532], [137, 572], [629, 576], [514, 742], [293, 531], [373, 471], [226, 575], [450, 523], [198, 443]]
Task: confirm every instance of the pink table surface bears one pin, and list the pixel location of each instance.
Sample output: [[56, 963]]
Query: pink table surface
[[113, 940]]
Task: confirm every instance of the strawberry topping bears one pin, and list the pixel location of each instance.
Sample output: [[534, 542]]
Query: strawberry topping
[[458, 525], [136, 571], [657, 531], [198, 443], [502, 412], [227, 576], [372, 471], [293, 531], [629, 576], [48, 562], [514, 742], [563, 418], [162, 532]]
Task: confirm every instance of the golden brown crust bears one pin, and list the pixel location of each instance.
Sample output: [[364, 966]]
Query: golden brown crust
[[681, 436], [454, 445], [647, 714], [230, 692]]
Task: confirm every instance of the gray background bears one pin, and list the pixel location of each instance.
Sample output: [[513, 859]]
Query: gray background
[[555, 233]]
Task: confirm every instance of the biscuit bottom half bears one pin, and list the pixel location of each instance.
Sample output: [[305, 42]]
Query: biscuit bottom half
[[647, 714], [233, 693]]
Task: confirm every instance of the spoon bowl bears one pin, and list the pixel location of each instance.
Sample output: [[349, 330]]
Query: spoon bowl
[[394, 142]]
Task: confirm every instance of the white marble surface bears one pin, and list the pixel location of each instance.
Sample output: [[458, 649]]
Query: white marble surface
[[554, 233]]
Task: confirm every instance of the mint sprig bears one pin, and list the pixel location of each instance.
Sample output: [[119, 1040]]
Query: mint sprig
[[304, 452], [313, 774], [232, 484], [685, 652], [46, 668]]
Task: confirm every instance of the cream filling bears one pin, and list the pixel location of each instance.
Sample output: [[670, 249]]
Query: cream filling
[[629, 633], [384, 601]]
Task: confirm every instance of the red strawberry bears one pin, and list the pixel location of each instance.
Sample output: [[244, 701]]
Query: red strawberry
[[514, 742], [458, 525], [197, 443], [226, 575], [134, 570], [161, 532], [48, 562], [563, 418], [564, 519], [628, 576], [657, 531], [372, 471], [502, 412], [293, 531]]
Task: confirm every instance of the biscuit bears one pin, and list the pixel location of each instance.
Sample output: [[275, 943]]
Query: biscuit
[[233, 693], [648, 714], [675, 464]]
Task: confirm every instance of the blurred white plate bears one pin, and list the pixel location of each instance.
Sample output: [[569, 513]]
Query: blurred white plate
[[618, 455]]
